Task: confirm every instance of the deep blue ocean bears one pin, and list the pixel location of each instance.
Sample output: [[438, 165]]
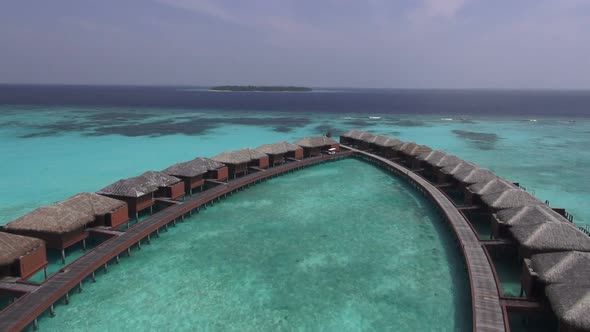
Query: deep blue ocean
[[335, 100]]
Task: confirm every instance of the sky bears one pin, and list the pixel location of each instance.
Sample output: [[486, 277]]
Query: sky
[[520, 44]]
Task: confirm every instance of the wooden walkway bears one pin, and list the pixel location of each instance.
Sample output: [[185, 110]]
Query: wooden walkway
[[27, 308], [488, 314]]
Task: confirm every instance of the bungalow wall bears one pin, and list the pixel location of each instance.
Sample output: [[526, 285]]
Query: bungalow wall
[[263, 162], [237, 169], [310, 152], [346, 141], [135, 204], [173, 191], [220, 174], [113, 219], [27, 265], [274, 159], [55, 240], [335, 146]]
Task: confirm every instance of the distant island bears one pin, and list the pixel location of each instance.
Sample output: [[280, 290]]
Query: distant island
[[255, 88]]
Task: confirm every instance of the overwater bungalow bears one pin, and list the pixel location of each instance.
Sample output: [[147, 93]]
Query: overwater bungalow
[[545, 237], [313, 146], [193, 173], [21, 256], [474, 192], [277, 152], [365, 141], [433, 172], [409, 152], [353, 137], [467, 177], [571, 305], [107, 211], [134, 191], [238, 161], [59, 226], [507, 199], [383, 145], [426, 162], [554, 268], [445, 174], [527, 214]]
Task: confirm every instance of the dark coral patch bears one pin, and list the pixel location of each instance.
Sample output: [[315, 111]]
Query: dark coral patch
[[483, 141]]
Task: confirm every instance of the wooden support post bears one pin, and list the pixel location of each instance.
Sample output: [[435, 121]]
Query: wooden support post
[[151, 210], [45, 273], [84, 244], [35, 324], [106, 267], [67, 299], [129, 252], [149, 239], [139, 244], [136, 216], [52, 311], [63, 256], [80, 287], [158, 232], [93, 277], [117, 259]]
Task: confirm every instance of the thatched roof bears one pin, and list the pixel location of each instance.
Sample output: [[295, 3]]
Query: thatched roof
[[474, 175], [13, 246], [444, 161], [508, 199], [54, 219], [493, 186], [418, 150], [354, 134], [406, 147], [385, 141], [571, 304], [315, 142], [241, 156], [572, 267], [463, 166], [550, 237], [278, 148], [432, 157], [528, 214], [137, 186], [193, 167], [92, 204]]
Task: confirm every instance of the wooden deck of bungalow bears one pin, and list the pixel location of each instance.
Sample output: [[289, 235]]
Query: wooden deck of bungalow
[[36, 300], [488, 311]]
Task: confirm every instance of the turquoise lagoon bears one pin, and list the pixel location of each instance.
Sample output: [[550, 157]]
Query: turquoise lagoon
[[341, 246], [292, 267]]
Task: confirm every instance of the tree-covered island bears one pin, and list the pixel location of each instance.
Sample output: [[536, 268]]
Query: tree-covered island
[[255, 88]]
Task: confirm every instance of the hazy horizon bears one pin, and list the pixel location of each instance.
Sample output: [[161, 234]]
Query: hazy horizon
[[426, 44]]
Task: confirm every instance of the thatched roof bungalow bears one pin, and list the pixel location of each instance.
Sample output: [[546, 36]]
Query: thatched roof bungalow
[[521, 215], [409, 152], [571, 305], [474, 192], [106, 211], [139, 191], [544, 237], [384, 145], [507, 199], [356, 138], [313, 146], [21, 256], [562, 267], [238, 161], [194, 172], [278, 151], [59, 226]]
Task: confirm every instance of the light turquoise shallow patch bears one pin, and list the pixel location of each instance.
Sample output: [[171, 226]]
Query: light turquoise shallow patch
[[338, 247]]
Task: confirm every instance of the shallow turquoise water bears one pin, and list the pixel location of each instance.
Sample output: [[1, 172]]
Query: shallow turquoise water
[[339, 247], [51, 153]]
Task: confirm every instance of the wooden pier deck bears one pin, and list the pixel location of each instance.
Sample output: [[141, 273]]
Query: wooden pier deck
[[24, 311], [488, 313]]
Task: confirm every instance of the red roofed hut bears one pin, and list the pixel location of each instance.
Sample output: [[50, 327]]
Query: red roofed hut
[[313, 146], [21, 256], [277, 152], [238, 161], [194, 172]]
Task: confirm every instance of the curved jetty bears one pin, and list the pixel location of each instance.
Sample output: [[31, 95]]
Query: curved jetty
[[463, 193]]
